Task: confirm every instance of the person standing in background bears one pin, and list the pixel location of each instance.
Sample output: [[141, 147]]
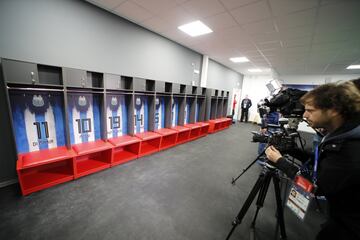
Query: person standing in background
[[233, 108], [245, 105]]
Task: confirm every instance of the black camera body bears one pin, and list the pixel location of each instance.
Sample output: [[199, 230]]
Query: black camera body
[[287, 102], [283, 141]]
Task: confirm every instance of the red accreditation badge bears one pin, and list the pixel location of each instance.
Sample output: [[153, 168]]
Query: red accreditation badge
[[300, 196]]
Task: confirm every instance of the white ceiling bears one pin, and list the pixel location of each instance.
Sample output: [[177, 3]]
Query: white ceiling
[[290, 37]]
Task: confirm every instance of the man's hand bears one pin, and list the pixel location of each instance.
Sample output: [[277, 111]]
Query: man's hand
[[263, 130], [273, 154]]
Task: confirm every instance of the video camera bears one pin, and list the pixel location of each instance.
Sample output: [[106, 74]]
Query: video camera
[[287, 102], [278, 137]]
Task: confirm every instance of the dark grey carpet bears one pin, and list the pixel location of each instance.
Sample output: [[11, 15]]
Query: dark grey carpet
[[181, 193]]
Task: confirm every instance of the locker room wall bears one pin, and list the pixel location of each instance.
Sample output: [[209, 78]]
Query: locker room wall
[[7, 147], [221, 77], [79, 35], [76, 34]]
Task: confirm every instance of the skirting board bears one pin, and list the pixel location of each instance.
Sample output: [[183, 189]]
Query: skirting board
[[8, 182]]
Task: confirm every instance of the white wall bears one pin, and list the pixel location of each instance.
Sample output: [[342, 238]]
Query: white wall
[[255, 88]]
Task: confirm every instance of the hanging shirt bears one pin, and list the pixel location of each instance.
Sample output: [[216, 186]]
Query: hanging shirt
[[38, 120]]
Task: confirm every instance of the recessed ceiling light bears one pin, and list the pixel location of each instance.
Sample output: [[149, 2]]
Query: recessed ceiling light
[[254, 70], [239, 59], [353, 67], [194, 29]]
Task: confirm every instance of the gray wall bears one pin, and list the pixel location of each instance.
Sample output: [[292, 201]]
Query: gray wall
[[221, 77], [7, 145], [77, 34]]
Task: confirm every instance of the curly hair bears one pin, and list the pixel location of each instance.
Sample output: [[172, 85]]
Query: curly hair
[[343, 97], [357, 83]]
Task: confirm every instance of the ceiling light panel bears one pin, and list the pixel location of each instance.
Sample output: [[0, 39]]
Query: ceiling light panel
[[353, 67], [195, 29], [239, 59]]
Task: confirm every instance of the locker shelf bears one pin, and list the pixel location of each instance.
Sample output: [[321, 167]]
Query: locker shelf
[[92, 157], [43, 169], [168, 138], [194, 132], [150, 143], [204, 128], [183, 134], [126, 148]]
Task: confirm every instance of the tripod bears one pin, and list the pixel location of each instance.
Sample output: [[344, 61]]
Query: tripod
[[261, 186]]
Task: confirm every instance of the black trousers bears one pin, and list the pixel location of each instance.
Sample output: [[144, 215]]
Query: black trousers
[[244, 114], [333, 230]]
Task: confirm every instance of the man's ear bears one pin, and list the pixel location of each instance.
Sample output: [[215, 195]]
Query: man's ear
[[333, 113]]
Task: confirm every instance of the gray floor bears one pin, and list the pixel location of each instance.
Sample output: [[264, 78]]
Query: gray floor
[[180, 193]]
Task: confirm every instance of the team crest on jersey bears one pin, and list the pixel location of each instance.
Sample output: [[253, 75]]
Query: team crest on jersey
[[114, 104], [82, 104], [114, 101], [138, 101], [38, 103]]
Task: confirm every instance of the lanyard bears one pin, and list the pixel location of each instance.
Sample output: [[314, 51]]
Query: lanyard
[[316, 160]]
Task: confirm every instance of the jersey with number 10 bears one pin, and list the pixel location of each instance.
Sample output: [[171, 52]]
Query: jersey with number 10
[[84, 117]]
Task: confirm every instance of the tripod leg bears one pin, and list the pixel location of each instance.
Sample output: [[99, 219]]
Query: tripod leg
[[280, 211], [247, 204], [284, 188], [247, 168], [261, 197]]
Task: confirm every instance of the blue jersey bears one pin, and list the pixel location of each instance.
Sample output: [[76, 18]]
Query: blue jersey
[[197, 109], [159, 112], [84, 117], [175, 112], [38, 120], [116, 115], [141, 114], [187, 112]]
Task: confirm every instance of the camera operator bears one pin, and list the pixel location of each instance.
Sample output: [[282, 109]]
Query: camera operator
[[336, 108], [267, 117]]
